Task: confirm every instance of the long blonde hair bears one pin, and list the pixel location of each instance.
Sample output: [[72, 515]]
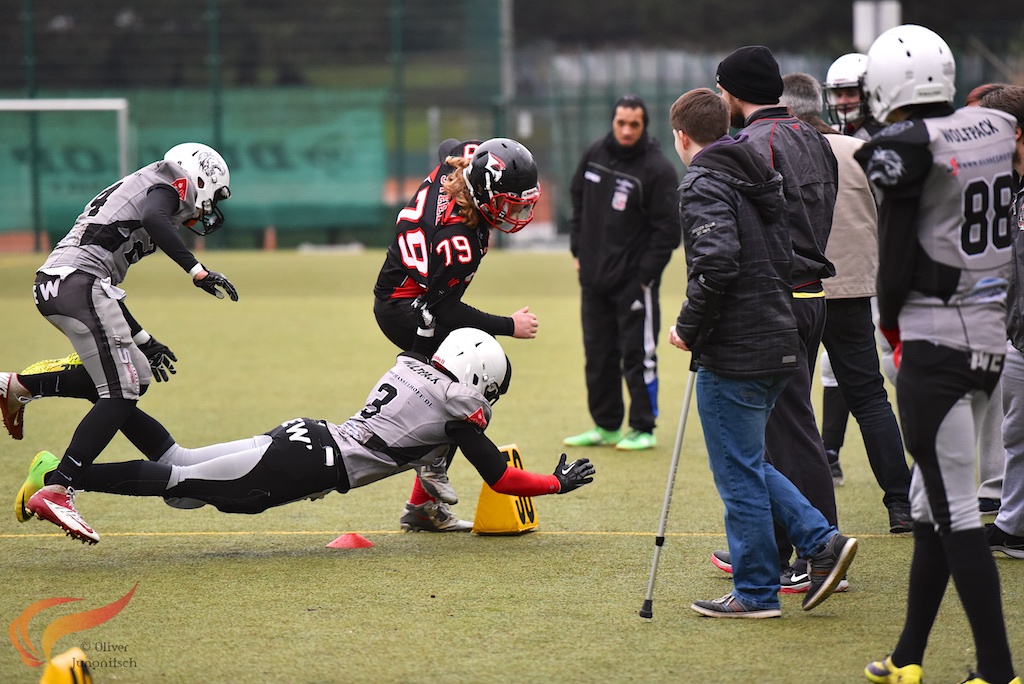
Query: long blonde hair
[[455, 187]]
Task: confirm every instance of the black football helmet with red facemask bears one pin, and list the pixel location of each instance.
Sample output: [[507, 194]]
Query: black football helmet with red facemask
[[502, 178]]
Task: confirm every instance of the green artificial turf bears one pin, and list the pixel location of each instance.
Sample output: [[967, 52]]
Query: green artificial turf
[[229, 598]]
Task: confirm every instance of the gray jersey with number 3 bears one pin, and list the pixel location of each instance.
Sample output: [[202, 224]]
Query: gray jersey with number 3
[[403, 423], [108, 235]]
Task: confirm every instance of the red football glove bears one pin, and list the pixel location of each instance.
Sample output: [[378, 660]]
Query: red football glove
[[892, 336]]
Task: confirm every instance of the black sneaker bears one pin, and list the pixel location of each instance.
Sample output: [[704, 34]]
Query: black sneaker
[[989, 506], [900, 520], [828, 568], [835, 467], [730, 607], [1009, 544], [796, 580]]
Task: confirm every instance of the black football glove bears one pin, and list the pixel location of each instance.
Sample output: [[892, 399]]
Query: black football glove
[[574, 475], [212, 281], [160, 358]]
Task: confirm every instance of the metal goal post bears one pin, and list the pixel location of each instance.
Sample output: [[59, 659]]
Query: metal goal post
[[119, 105], [100, 104]]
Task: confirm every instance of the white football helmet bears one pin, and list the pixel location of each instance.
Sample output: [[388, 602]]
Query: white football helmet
[[846, 72], [908, 65], [210, 173], [475, 359]]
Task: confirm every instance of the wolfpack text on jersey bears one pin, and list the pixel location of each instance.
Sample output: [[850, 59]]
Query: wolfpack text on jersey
[[946, 275]]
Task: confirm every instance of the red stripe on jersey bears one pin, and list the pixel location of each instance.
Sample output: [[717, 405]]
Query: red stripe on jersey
[[450, 215], [409, 289]]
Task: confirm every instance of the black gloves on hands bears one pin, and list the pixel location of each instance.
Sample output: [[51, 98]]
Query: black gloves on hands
[[212, 281], [160, 358], [574, 475]]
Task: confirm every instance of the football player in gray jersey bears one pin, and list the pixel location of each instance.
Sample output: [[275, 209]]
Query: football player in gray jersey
[[76, 289], [419, 410], [944, 258]]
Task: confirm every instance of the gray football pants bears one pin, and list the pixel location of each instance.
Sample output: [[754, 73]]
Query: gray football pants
[[1011, 512]]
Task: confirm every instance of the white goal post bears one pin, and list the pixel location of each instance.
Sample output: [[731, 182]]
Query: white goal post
[[110, 104]]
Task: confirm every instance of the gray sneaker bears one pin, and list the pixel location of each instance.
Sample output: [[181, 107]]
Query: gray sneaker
[[827, 569], [434, 479], [729, 606], [432, 516]]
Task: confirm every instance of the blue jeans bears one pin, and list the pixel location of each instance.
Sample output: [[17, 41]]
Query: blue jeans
[[733, 415]]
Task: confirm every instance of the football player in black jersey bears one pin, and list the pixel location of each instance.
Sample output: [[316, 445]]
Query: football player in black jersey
[[441, 236]]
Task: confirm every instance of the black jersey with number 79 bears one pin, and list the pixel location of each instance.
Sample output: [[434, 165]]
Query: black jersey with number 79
[[434, 252]]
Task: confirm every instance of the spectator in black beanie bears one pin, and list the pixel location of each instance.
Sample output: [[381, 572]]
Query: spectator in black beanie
[[750, 74], [751, 85]]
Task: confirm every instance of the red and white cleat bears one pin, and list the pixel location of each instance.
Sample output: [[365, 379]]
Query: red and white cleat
[[56, 504]]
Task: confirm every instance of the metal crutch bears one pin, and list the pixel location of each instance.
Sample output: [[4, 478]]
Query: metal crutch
[[647, 610]]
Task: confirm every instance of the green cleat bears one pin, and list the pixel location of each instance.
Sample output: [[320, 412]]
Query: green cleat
[[43, 464], [637, 441], [597, 436]]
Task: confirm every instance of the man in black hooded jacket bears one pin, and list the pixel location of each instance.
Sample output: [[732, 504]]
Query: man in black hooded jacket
[[738, 323], [623, 231]]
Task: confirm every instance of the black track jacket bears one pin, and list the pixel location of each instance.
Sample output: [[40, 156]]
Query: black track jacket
[[624, 225]]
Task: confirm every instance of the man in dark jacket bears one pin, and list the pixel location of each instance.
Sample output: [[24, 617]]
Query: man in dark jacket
[[1006, 534], [623, 232], [751, 86], [738, 322]]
